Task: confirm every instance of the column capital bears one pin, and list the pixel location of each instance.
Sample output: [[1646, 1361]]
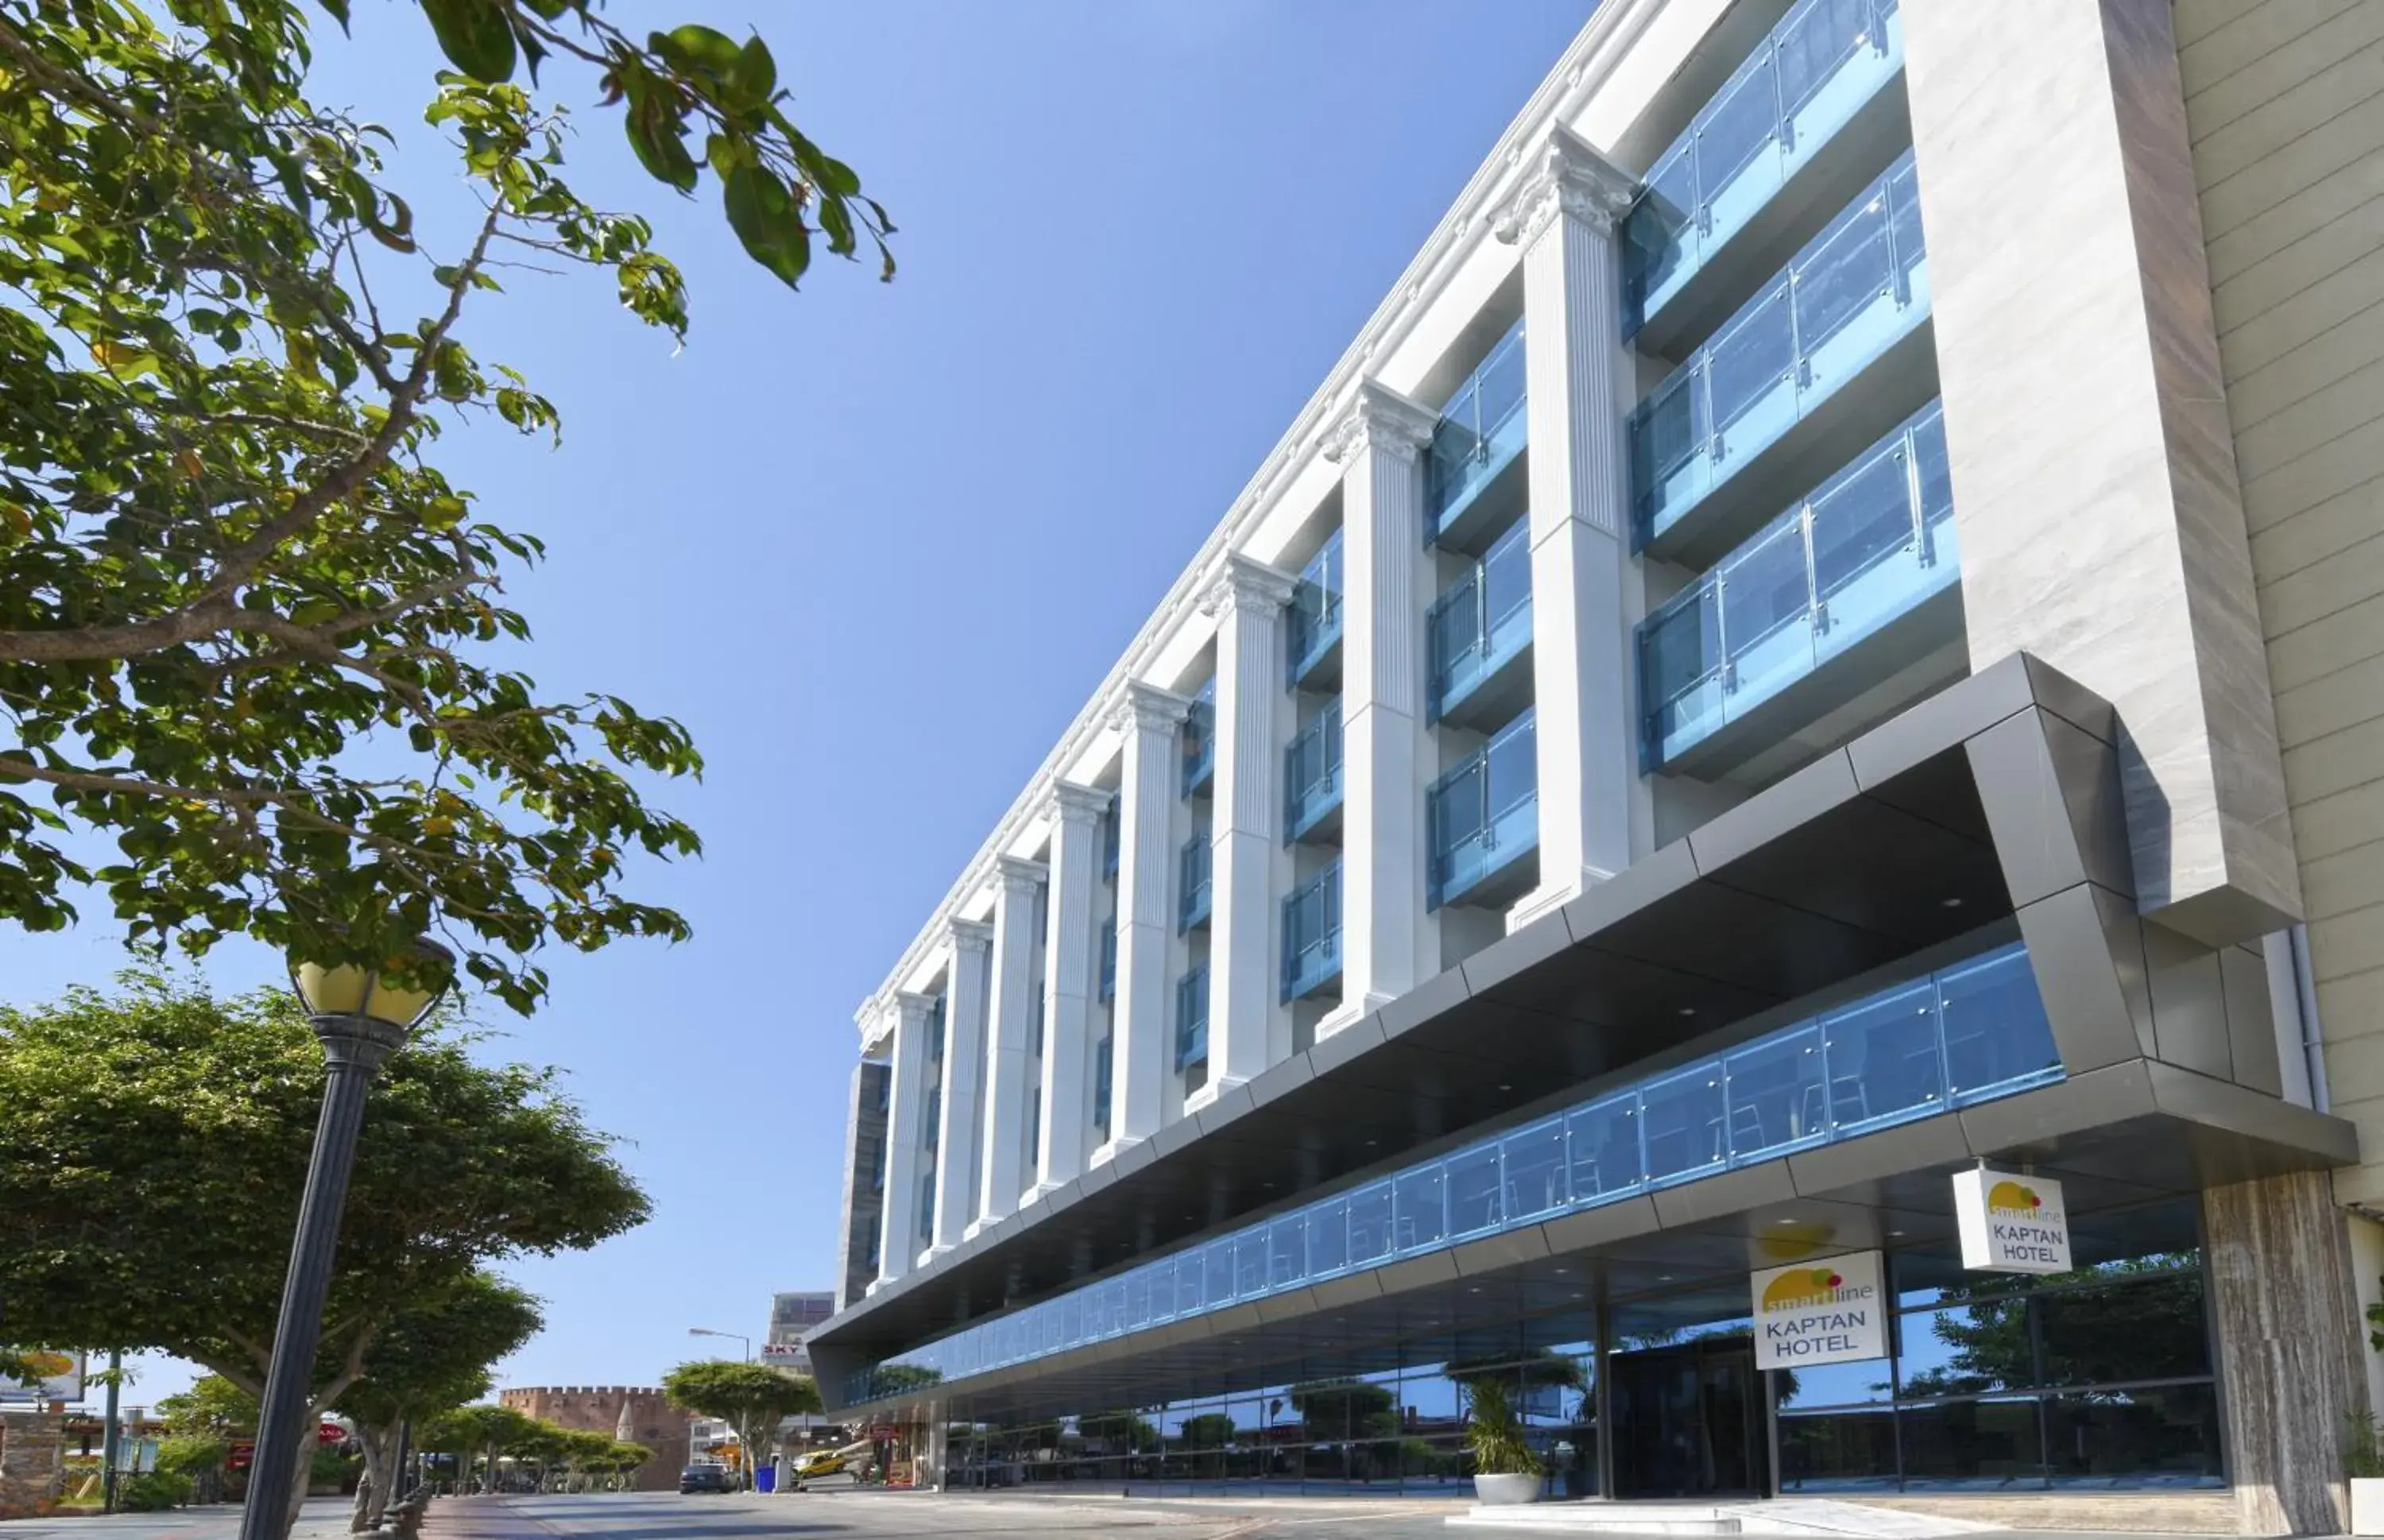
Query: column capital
[[972, 937], [1569, 175], [1019, 878], [1072, 803], [1380, 415], [1245, 584], [1150, 707], [913, 1010]]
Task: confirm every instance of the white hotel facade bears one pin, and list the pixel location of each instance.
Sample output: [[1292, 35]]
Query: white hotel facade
[[1856, 503]]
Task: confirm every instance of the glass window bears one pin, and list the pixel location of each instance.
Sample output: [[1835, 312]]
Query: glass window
[[1964, 1348], [2166, 1437], [1995, 1027], [1883, 1056], [1370, 1224], [2148, 1329], [1683, 1123], [1972, 1446], [1837, 1451], [1535, 1169], [1605, 1148], [1473, 1190], [1837, 1385], [1421, 1219]]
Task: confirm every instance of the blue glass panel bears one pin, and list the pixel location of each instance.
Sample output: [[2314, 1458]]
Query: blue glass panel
[[1217, 1278], [1995, 1029], [1328, 1236], [1312, 773], [1200, 739], [1314, 621], [1778, 1095], [1483, 814], [1473, 1191], [1192, 869], [1420, 1210], [1109, 958], [1684, 1128], [1479, 431], [1481, 620], [1287, 1251], [1192, 1017], [1190, 1270], [1884, 1058], [1250, 1264], [1535, 1162], [1311, 925], [1137, 1300], [1370, 1225]]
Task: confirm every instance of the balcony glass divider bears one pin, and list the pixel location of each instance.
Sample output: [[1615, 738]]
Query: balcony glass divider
[[1312, 934], [1192, 1017], [1192, 882], [1313, 627], [1484, 814], [1481, 621], [1311, 774], [1481, 431]]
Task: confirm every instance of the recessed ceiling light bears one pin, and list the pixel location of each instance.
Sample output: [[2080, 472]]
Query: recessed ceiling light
[[1895, 1232], [1562, 1270], [1784, 1221], [1473, 1291], [1663, 1277], [1504, 1086], [1688, 1009], [1949, 903], [1371, 1143]]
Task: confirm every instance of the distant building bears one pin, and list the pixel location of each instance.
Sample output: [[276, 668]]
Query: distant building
[[640, 1414], [791, 1318]]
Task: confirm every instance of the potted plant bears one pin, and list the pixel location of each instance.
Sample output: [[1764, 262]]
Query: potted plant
[[2364, 1464], [1506, 1469]]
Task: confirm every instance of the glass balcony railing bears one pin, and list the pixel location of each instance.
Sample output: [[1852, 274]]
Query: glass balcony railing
[[1109, 821], [1859, 287], [1311, 775], [1312, 934], [1483, 816], [1824, 62], [1192, 1017], [1871, 545], [1482, 623], [1200, 739], [1480, 432], [1192, 882], [1103, 1060], [1314, 628], [933, 1133], [1966, 1034], [1109, 958]]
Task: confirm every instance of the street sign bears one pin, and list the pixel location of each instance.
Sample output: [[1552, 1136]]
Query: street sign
[[2011, 1224], [1829, 1311]]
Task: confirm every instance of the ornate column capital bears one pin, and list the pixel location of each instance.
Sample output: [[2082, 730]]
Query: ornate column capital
[[912, 1011], [1244, 584], [1148, 707], [1072, 803], [1018, 877], [1567, 176], [972, 937], [1380, 415]]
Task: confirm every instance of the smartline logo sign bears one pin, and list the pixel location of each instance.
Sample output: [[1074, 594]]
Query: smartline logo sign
[[1830, 1311], [2011, 1224]]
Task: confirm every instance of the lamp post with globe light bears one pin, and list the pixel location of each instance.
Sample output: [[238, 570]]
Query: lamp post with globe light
[[361, 1018]]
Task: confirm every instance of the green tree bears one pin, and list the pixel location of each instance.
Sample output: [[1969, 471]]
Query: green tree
[[1209, 1430], [142, 1130], [227, 555], [433, 1354], [2147, 1325], [751, 1398], [482, 1430], [1337, 1410], [212, 1408]]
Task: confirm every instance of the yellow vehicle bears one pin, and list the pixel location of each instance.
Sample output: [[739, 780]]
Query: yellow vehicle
[[831, 1462]]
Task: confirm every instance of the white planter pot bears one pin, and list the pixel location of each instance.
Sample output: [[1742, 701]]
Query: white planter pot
[[1501, 1491], [2367, 1505]]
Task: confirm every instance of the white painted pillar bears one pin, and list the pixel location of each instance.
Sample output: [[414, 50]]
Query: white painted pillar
[[906, 1108], [1579, 381], [1014, 1020], [964, 1012], [1071, 953], [1248, 600], [1140, 1059], [1383, 745]]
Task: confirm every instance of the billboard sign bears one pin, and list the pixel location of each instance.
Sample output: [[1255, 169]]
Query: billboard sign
[[58, 1376], [2011, 1224], [1829, 1311]]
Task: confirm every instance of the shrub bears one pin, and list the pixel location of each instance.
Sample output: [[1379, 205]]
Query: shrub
[[152, 1492]]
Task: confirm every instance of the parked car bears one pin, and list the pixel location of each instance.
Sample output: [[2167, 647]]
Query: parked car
[[705, 1478]]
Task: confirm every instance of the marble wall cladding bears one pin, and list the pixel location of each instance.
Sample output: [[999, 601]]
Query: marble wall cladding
[[2093, 470], [2284, 109]]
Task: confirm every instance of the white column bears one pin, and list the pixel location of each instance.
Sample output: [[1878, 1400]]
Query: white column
[[906, 1106], [1384, 746], [1579, 379], [1016, 1014], [1069, 961], [964, 1002], [1248, 600], [1150, 717]]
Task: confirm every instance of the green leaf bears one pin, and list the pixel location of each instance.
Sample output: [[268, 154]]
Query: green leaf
[[698, 46], [476, 35], [754, 75], [339, 9], [765, 215], [661, 144]]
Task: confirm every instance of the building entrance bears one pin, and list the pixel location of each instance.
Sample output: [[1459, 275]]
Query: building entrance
[[1689, 1421]]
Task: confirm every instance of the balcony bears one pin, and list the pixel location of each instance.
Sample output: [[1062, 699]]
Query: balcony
[[1192, 882], [1103, 1062], [1480, 634], [1482, 818], [1732, 663], [1109, 958], [1109, 821], [1813, 114], [1311, 935], [1314, 627], [1192, 1017], [1765, 403], [1311, 778], [1200, 740], [1970, 1033], [1473, 468]]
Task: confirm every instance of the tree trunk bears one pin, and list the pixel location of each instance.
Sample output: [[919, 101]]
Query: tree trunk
[[378, 1488]]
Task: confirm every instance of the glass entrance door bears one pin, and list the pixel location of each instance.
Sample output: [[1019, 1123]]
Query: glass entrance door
[[1688, 1421]]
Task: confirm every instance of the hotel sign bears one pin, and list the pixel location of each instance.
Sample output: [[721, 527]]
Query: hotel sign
[[2011, 1224], [1830, 1311]]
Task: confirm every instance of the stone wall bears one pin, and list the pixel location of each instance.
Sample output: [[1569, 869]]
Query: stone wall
[[32, 1463], [641, 1415]]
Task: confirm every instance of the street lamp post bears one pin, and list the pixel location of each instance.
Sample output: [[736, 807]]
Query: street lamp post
[[736, 1336], [360, 1019]]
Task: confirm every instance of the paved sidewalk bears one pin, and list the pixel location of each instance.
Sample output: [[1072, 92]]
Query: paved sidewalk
[[321, 1519]]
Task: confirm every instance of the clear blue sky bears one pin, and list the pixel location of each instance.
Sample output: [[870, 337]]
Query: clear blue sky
[[875, 544]]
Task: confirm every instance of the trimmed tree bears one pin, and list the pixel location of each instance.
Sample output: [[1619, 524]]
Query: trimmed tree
[[141, 1130], [751, 1398], [228, 553]]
